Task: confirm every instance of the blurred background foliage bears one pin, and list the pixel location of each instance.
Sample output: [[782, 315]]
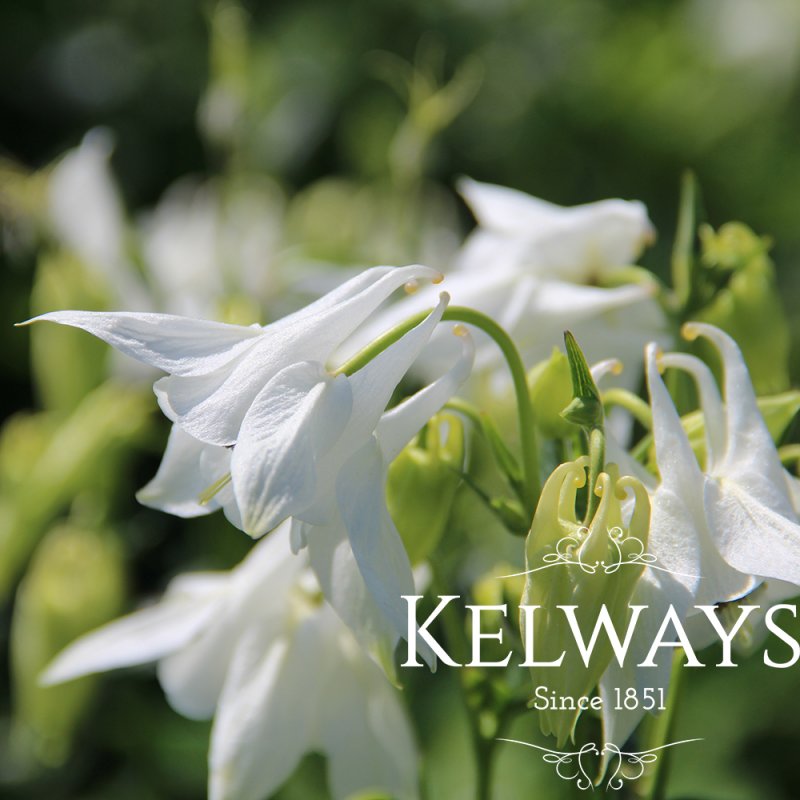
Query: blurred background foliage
[[328, 135]]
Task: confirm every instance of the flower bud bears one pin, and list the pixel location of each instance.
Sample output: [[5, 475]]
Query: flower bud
[[587, 565], [422, 484], [75, 583], [551, 391], [748, 306]]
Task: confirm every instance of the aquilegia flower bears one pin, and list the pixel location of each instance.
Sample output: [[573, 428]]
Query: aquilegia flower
[[720, 530], [264, 430], [347, 526], [538, 269], [259, 650]]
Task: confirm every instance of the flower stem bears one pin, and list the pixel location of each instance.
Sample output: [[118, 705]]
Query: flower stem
[[657, 732], [632, 403], [597, 460], [469, 316]]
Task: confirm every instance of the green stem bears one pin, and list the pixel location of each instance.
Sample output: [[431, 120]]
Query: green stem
[[658, 732], [632, 403], [459, 647], [469, 316], [597, 460]]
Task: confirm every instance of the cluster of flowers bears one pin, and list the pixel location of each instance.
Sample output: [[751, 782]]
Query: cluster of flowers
[[288, 432]]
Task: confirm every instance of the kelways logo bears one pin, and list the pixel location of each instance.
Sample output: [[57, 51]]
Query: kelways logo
[[670, 633]]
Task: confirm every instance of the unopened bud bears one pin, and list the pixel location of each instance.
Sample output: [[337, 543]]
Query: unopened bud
[[422, 484], [587, 566]]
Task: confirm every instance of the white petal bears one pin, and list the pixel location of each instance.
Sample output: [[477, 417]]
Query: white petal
[[376, 544], [373, 385], [294, 420], [138, 638], [84, 203], [676, 461], [320, 328], [189, 467], [398, 426], [679, 533], [377, 752], [178, 345], [257, 595], [714, 413], [508, 210], [752, 537], [331, 558], [751, 458], [265, 719], [657, 591]]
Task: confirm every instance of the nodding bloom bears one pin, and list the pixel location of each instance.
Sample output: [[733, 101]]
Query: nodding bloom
[[719, 529], [265, 428], [259, 650], [538, 269]]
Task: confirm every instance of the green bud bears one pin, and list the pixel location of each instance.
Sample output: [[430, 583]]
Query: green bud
[[551, 391], [586, 407], [67, 364], [75, 583], [748, 306], [422, 484], [585, 565]]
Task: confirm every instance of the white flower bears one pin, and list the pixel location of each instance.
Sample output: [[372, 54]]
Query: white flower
[[720, 530], [259, 651], [87, 216], [338, 493], [532, 267], [582, 244]]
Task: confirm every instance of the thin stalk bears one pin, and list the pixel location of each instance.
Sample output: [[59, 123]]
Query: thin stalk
[[660, 731], [632, 403], [469, 316], [597, 460]]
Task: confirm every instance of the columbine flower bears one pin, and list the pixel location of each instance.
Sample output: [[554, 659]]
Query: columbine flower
[[538, 269], [583, 244], [345, 521], [722, 529], [257, 649], [738, 507]]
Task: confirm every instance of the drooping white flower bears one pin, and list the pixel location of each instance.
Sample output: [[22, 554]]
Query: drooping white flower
[[337, 494], [217, 370], [538, 269], [720, 529], [582, 244], [257, 649], [265, 431]]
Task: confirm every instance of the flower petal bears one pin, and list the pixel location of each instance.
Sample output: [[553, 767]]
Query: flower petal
[[714, 413], [750, 458], [750, 535], [399, 425], [336, 315], [178, 345], [378, 752], [331, 557], [257, 595], [265, 719], [188, 468], [376, 544], [679, 533], [294, 420], [139, 638], [373, 385]]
